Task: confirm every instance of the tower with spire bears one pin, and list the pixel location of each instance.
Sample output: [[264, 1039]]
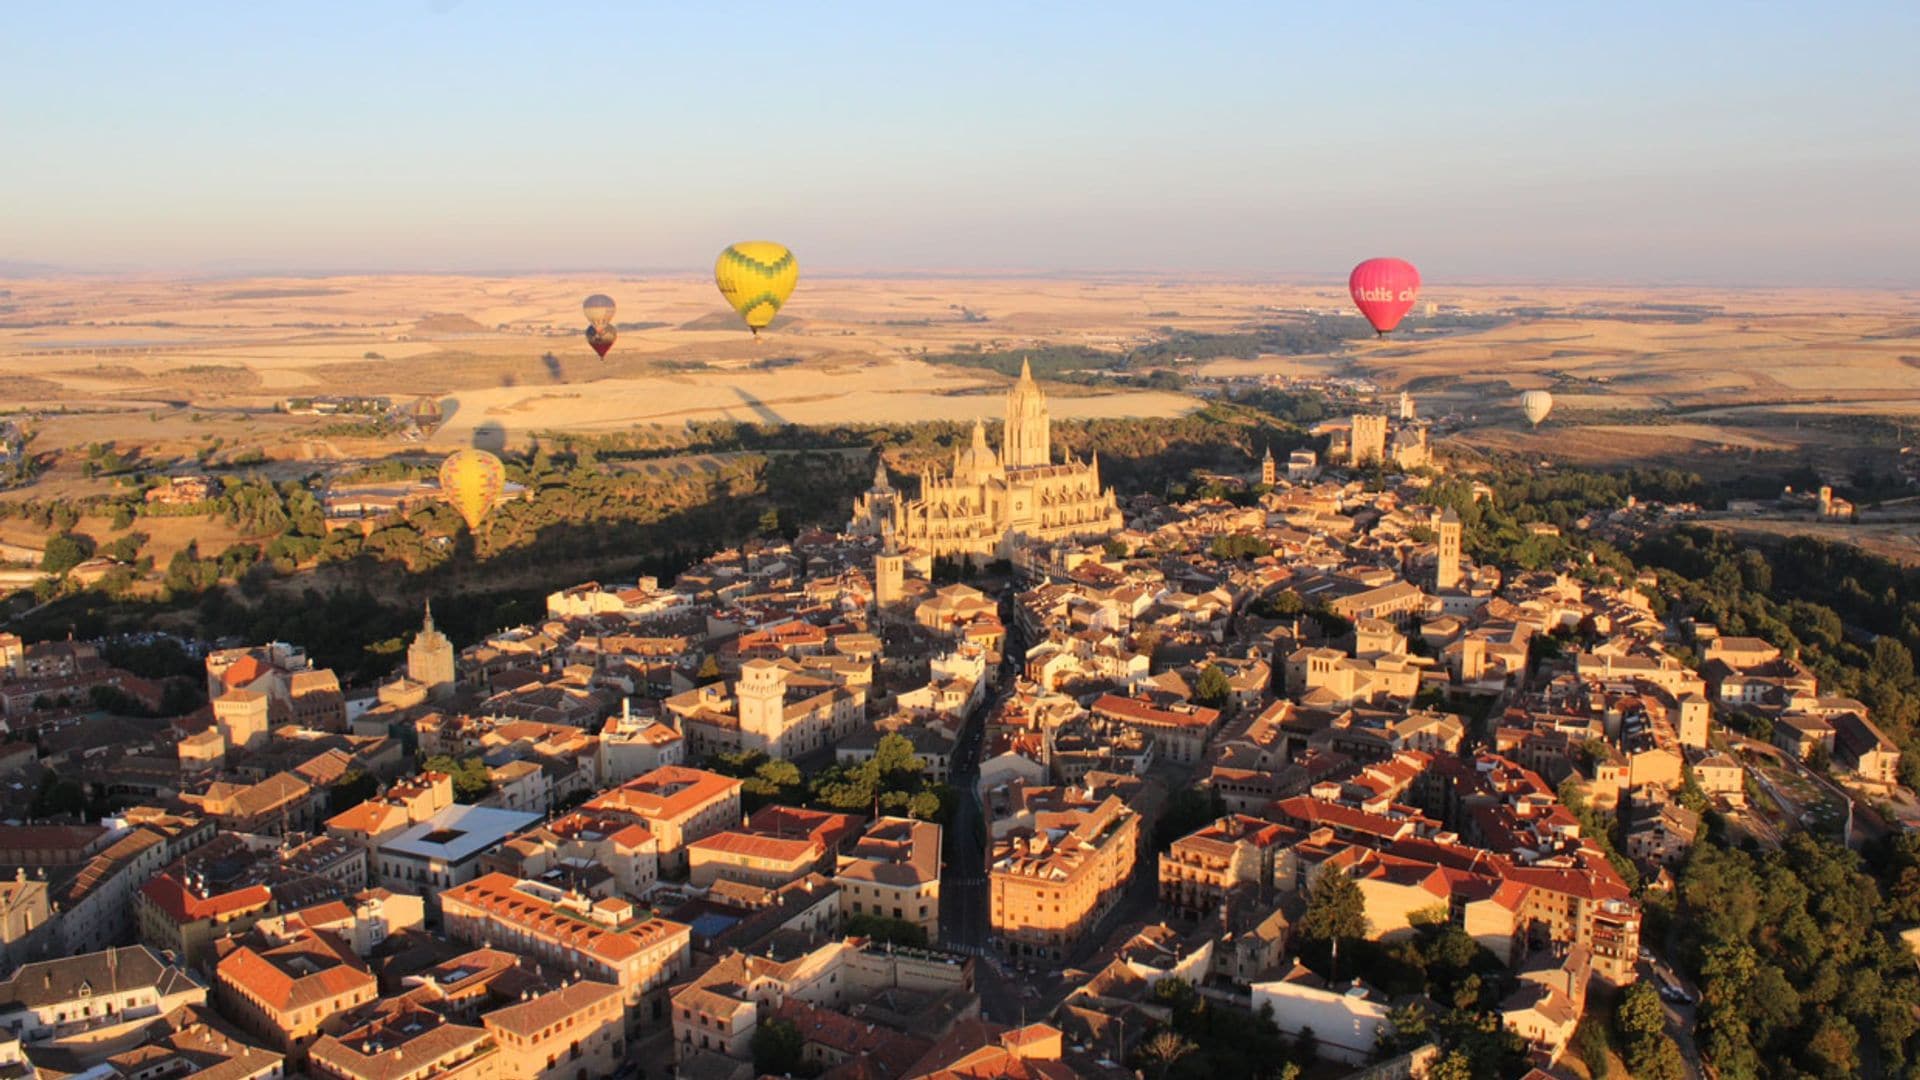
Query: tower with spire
[[1028, 439], [1269, 472], [430, 659]]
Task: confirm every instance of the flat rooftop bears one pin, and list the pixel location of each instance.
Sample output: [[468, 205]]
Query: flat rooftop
[[460, 832]]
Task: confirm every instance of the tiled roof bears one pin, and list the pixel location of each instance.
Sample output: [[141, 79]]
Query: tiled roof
[[182, 905]]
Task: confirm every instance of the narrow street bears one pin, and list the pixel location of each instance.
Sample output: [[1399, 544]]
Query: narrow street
[[964, 899]]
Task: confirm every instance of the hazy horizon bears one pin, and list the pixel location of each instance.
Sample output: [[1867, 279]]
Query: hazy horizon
[[1717, 145]]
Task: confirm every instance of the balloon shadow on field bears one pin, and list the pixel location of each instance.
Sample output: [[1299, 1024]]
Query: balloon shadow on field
[[760, 410], [554, 370], [490, 436]]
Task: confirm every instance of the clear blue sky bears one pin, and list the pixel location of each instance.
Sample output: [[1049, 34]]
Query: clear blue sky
[[1675, 141]]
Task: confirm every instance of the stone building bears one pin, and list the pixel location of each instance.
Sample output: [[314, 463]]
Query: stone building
[[987, 502]]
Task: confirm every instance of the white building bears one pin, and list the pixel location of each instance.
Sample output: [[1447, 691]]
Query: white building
[[1346, 1022], [445, 849]]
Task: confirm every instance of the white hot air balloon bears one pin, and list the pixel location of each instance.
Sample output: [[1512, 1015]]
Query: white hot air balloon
[[1536, 404]]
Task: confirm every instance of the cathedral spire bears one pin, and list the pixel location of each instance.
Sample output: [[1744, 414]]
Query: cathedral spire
[[426, 626], [979, 434], [1026, 370], [880, 481]]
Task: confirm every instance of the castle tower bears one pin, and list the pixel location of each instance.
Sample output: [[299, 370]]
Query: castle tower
[[430, 659], [1446, 568], [1369, 442], [889, 577], [762, 694], [1269, 472], [1406, 405], [1028, 439]]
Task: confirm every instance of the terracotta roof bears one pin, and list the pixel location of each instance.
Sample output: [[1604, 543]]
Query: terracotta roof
[[529, 1018], [311, 968], [183, 905]]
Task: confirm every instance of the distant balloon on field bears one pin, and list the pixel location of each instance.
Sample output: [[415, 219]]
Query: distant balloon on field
[[472, 481], [1384, 290], [1536, 404], [601, 334], [756, 277]]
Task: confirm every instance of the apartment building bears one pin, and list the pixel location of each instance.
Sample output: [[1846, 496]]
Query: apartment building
[[893, 871], [288, 990], [678, 805], [606, 939], [1233, 856], [1050, 884]]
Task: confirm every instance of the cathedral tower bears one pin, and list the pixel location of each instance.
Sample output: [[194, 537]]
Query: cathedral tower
[[1028, 439]]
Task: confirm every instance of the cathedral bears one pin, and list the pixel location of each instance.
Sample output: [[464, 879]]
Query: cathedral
[[988, 503]]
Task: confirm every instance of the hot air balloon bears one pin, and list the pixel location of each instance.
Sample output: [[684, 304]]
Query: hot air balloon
[[1384, 291], [1536, 404], [756, 277], [600, 332], [472, 481]]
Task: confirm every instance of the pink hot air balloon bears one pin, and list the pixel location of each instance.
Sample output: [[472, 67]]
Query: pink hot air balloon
[[1384, 291]]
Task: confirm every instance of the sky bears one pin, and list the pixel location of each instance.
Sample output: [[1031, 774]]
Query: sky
[[1697, 142]]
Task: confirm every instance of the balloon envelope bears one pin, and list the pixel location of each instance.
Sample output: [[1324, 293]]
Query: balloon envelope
[[1536, 404], [602, 339], [1384, 291], [472, 481], [598, 309], [756, 277]]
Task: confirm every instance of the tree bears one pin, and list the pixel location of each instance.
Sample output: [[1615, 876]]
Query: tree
[[1115, 548], [887, 929], [1639, 1013], [64, 552], [1456, 1065], [1336, 911], [1657, 1057], [1212, 688], [58, 796], [1161, 1049], [778, 1049], [471, 779], [1284, 604]]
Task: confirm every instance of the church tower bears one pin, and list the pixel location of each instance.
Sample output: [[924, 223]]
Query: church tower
[[889, 576], [1446, 569], [1269, 472], [1028, 439], [430, 659]]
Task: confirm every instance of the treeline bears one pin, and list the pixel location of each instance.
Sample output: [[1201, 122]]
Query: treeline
[[1316, 334], [1800, 969]]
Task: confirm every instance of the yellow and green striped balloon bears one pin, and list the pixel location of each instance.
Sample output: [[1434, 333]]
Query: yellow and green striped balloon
[[756, 277]]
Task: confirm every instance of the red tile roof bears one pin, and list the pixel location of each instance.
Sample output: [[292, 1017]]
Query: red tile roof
[[183, 905]]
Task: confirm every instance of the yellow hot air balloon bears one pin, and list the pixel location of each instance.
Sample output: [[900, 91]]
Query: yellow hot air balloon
[[472, 481], [756, 277]]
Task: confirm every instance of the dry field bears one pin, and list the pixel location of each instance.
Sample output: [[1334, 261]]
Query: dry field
[[173, 365]]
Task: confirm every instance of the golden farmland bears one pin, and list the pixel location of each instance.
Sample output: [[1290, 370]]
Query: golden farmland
[[170, 365]]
